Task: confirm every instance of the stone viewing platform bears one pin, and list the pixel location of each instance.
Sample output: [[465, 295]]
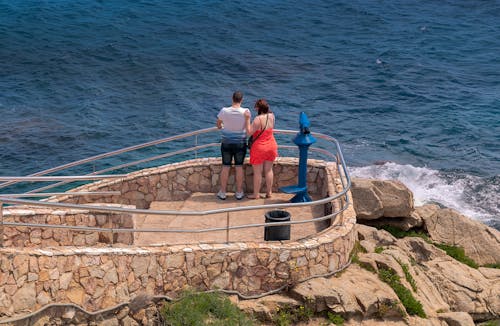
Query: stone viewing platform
[[99, 268]]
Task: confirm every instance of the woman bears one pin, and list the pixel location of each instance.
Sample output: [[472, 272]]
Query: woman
[[264, 149]]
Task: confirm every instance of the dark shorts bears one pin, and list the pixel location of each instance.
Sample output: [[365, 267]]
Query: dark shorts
[[228, 151]]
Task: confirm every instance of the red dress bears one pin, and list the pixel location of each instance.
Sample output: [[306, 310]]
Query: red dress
[[264, 148]]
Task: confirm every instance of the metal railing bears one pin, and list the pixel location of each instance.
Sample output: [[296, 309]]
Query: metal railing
[[332, 152]]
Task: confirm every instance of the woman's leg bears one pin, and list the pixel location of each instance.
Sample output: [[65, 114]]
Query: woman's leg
[[269, 175], [257, 179]]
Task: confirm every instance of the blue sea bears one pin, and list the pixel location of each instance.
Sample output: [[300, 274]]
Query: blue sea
[[411, 89]]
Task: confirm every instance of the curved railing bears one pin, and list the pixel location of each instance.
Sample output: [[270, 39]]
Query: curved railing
[[332, 152]]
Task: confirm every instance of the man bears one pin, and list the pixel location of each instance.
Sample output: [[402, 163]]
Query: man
[[231, 120]]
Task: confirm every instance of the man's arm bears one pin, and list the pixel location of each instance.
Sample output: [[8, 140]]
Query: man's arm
[[219, 123]]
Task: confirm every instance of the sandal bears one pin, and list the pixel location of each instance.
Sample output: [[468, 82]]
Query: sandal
[[252, 196]]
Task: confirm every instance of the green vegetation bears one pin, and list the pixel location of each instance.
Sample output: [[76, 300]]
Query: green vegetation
[[412, 305], [335, 319], [408, 276], [379, 250], [453, 251], [490, 323], [203, 309], [385, 308], [289, 316], [458, 253], [368, 267], [492, 266], [358, 248], [398, 233]]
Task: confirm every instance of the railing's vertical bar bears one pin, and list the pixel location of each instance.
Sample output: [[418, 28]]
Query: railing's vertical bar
[[112, 236], [1, 226], [227, 227], [196, 144]]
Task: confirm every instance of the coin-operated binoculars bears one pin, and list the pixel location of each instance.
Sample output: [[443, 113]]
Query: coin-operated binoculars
[[303, 139]]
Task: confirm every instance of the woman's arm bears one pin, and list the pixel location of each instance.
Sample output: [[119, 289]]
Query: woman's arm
[[248, 126]]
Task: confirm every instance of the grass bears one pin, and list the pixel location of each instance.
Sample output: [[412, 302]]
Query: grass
[[384, 308], [453, 251], [358, 248], [203, 309], [379, 250], [398, 233], [458, 253], [412, 305], [492, 266], [408, 276], [368, 267], [490, 323], [335, 319], [286, 316]]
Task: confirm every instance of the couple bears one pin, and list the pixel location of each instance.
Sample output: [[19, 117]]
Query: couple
[[235, 124]]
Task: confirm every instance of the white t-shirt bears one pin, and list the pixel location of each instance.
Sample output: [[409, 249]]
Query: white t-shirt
[[233, 119]]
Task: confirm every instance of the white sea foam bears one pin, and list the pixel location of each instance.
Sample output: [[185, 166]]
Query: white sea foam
[[466, 193]]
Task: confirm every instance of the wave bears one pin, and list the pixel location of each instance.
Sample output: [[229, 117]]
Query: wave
[[472, 196]]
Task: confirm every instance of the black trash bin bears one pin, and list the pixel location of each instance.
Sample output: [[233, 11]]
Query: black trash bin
[[277, 232]]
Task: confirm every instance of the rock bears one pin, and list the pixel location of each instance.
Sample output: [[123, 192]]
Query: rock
[[457, 319], [377, 237], [445, 284], [127, 321], [367, 202], [344, 296], [266, 307], [403, 223], [381, 198], [480, 242], [25, 298]]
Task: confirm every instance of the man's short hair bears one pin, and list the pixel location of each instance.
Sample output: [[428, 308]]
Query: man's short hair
[[237, 97]]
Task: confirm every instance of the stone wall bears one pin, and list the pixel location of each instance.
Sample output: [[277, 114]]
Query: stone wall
[[97, 278], [100, 277], [177, 181], [54, 237]]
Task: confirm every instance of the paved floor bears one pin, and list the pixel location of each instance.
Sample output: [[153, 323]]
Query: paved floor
[[208, 201]]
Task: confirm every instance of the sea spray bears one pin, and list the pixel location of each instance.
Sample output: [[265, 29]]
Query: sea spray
[[472, 196]]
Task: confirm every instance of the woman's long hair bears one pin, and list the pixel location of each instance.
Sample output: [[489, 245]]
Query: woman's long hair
[[262, 106]]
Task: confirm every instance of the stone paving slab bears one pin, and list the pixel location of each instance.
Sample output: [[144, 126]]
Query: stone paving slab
[[208, 201]]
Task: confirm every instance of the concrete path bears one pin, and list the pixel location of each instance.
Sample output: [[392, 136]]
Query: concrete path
[[208, 201]]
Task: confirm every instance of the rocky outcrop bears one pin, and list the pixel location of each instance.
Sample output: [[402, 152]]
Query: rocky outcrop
[[375, 203], [381, 198], [450, 292], [343, 295], [444, 225]]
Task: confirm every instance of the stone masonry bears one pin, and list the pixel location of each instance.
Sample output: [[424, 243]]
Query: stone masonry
[[96, 276]]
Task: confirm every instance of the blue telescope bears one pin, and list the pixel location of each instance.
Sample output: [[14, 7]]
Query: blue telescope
[[303, 140]]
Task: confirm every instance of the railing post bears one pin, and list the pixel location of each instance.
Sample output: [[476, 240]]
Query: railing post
[[227, 227], [1, 225], [196, 144]]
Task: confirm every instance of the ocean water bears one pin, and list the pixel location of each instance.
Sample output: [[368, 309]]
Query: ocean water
[[411, 89]]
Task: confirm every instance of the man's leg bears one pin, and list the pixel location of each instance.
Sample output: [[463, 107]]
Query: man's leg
[[224, 175], [239, 178]]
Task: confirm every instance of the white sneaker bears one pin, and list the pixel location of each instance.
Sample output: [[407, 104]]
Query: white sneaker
[[221, 195], [239, 195]]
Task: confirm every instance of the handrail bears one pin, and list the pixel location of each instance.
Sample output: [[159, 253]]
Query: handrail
[[113, 153], [69, 178], [344, 177], [50, 194], [132, 230]]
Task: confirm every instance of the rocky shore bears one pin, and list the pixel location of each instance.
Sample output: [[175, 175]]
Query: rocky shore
[[387, 270]]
